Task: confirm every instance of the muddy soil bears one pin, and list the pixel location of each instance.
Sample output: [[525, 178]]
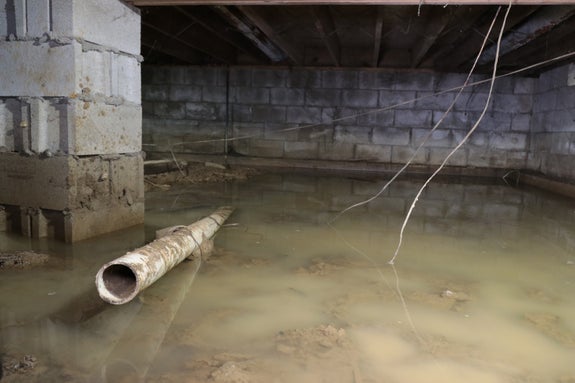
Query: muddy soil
[[22, 259], [196, 173]]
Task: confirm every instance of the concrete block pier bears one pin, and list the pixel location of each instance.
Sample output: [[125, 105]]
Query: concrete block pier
[[71, 165]]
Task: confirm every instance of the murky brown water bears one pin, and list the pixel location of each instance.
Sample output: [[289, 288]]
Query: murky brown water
[[483, 290]]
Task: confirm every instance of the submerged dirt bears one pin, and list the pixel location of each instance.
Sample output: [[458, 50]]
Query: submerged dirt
[[22, 259], [197, 173]]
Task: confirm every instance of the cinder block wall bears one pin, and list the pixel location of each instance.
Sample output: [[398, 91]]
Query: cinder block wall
[[334, 115], [553, 124], [70, 118]]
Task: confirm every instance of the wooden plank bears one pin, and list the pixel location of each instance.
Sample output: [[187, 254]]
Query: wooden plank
[[345, 2], [438, 20], [211, 20], [326, 28], [540, 23], [167, 45], [377, 37], [294, 54], [172, 23]]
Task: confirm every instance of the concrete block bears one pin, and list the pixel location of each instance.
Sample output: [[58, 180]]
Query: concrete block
[[370, 152], [360, 98], [122, 23], [346, 79], [413, 118], [336, 151], [269, 78], [9, 115], [566, 98], [521, 122], [352, 134], [152, 92], [302, 150], [508, 141], [390, 136], [185, 93], [266, 148], [402, 154], [128, 83], [376, 118], [38, 70], [174, 110], [339, 115], [414, 81], [38, 18], [455, 120], [207, 76], [178, 75], [560, 142], [247, 131], [284, 96], [447, 81], [323, 97], [516, 160], [245, 95], [204, 111], [160, 74], [560, 120], [495, 122], [376, 80], [430, 100], [241, 113], [545, 102], [524, 85], [95, 73], [303, 78], [241, 77], [439, 138], [396, 99], [471, 102], [486, 158], [438, 155], [281, 132], [512, 103], [318, 133], [214, 94], [266, 113], [301, 115], [34, 182], [105, 129]]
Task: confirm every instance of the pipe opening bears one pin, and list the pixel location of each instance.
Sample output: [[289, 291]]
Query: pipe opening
[[119, 280]]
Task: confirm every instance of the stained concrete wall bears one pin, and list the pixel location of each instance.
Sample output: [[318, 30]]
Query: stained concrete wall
[[553, 124], [70, 117], [334, 115]]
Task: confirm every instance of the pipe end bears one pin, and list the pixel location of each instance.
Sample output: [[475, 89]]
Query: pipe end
[[117, 283]]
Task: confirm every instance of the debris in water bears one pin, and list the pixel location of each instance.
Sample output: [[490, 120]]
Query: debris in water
[[22, 259]]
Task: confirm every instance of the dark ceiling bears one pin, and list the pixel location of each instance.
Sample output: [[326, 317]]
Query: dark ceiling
[[440, 38]]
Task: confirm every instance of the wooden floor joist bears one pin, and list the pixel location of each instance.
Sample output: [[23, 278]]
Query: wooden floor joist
[[344, 2]]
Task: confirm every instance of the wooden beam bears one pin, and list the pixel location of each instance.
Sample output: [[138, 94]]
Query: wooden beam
[[256, 36], [467, 49], [172, 23], [142, 3], [326, 28], [293, 53], [377, 37], [168, 46], [538, 24], [464, 20], [211, 20], [438, 20]]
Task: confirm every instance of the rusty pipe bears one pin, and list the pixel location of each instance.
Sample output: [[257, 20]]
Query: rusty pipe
[[120, 280]]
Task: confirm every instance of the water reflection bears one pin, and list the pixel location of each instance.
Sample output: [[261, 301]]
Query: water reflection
[[482, 291]]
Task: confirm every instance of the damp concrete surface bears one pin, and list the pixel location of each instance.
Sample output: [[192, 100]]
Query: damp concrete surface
[[483, 289]]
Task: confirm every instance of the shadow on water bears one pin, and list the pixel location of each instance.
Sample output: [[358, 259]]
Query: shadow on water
[[482, 289]]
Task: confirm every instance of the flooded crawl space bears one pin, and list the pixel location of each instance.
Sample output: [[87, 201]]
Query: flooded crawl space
[[482, 291]]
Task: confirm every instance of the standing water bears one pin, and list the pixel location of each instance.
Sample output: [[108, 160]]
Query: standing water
[[483, 290]]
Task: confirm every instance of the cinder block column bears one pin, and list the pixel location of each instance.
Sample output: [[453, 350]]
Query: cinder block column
[[70, 118]]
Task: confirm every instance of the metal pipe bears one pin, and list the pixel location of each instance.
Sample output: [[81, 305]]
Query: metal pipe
[[120, 280]]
